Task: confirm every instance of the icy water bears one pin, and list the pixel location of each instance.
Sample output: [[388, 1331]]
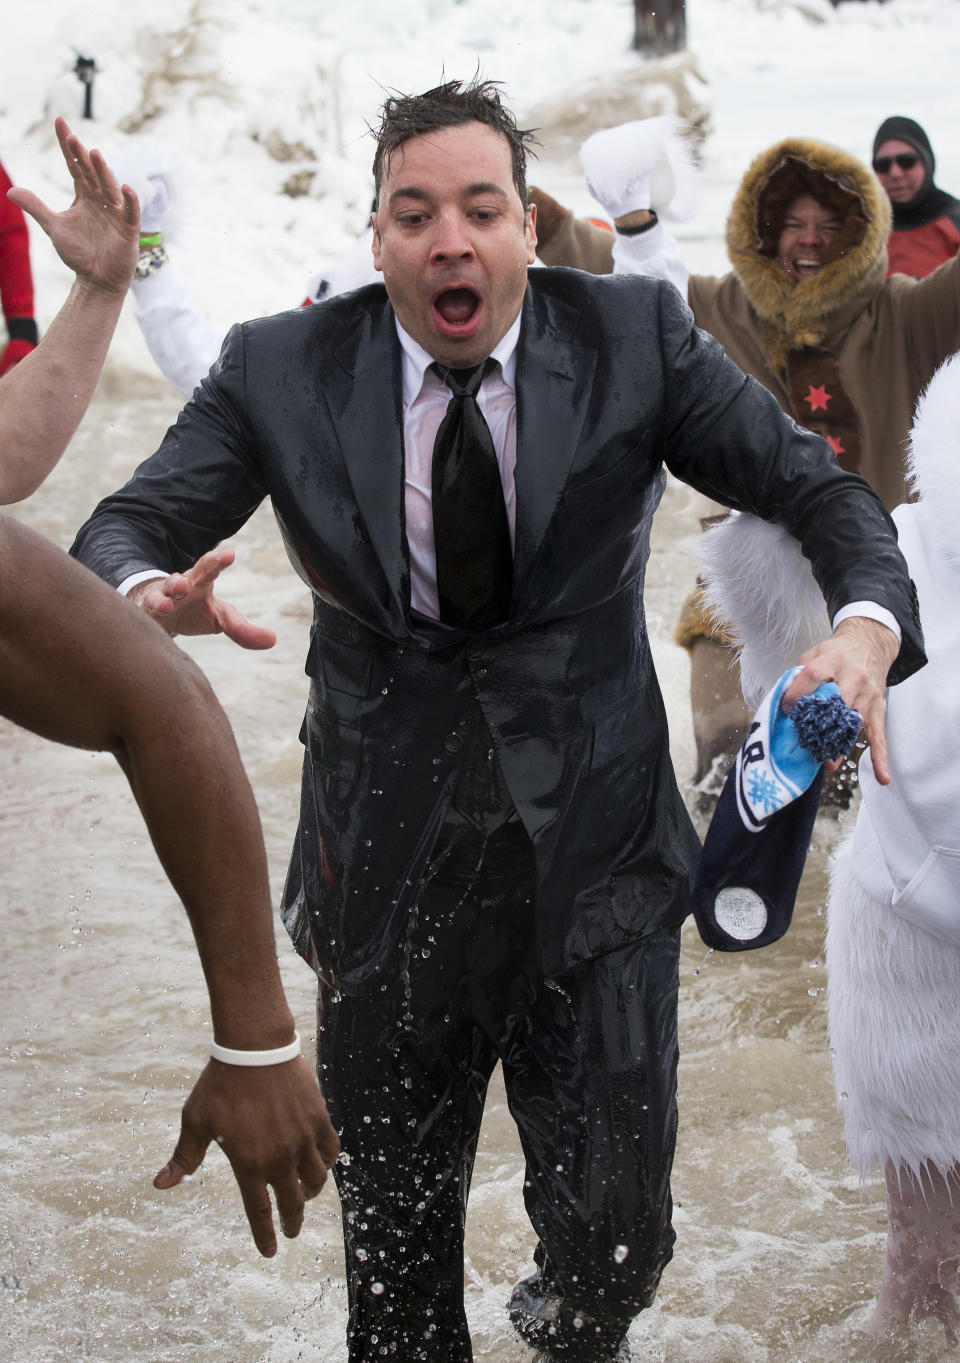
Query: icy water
[[103, 1026]]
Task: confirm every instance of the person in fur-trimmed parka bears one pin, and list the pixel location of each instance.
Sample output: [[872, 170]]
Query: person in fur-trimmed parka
[[893, 917], [870, 343], [806, 309]]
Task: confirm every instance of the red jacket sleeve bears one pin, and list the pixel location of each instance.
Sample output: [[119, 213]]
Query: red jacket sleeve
[[16, 280]]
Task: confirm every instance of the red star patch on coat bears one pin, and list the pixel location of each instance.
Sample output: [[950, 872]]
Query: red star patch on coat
[[836, 444], [818, 398]]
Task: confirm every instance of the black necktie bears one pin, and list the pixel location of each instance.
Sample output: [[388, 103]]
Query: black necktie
[[470, 527]]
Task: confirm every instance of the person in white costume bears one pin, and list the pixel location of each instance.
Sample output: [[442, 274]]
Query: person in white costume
[[180, 337], [893, 921]]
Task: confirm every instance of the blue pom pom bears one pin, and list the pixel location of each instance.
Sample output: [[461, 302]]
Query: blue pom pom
[[825, 726]]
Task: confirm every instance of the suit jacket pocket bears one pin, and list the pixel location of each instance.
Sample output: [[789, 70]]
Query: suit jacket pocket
[[346, 670], [609, 464], [335, 747], [342, 651]]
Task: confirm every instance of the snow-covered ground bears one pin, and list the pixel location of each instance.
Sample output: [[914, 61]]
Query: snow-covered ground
[[250, 99]]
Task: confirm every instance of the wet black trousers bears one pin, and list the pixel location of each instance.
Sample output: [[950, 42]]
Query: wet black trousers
[[590, 1074]]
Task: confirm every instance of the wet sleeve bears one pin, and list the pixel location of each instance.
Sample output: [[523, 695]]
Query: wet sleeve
[[727, 437], [200, 487]]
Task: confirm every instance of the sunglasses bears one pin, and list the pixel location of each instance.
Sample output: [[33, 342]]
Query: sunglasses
[[906, 161]]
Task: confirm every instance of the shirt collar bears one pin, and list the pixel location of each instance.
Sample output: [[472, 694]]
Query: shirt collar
[[416, 361]]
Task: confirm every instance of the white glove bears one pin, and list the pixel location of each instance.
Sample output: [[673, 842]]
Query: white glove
[[643, 164], [148, 168], [153, 205]]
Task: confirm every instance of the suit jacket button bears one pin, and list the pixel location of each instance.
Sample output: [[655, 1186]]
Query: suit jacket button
[[453, 743]]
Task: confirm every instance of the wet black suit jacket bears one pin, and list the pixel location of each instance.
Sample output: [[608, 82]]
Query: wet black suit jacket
[[613, 383]]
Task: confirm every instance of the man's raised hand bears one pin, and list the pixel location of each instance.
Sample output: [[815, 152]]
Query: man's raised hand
[[184, 603]]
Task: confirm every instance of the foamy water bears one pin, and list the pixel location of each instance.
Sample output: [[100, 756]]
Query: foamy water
[[104, 1026]]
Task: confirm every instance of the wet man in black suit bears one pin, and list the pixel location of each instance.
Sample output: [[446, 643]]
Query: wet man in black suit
[[493, 860]]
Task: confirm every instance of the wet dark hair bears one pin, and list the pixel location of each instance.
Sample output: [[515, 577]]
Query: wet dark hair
[[448, 106]]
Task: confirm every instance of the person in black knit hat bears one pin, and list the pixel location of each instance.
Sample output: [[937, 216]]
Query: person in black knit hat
[[926, 220]]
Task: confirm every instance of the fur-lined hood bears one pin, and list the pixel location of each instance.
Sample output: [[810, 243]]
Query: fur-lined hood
[[799, 315]]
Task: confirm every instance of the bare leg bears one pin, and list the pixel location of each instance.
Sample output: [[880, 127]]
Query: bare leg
[[922, 1273]]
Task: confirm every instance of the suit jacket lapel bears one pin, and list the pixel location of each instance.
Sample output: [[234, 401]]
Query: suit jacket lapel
[[366, 401], [364, 391], [554, 380]]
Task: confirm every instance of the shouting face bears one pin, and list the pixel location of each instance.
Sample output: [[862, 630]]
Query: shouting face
[[811, 237], [453, 241]]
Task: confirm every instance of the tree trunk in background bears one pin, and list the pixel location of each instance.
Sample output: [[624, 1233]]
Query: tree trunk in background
[[660, 26]]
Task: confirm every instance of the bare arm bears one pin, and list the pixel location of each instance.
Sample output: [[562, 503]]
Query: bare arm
[[133, 693], [43, 398]]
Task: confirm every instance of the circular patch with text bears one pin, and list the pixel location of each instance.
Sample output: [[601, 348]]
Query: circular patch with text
[[740, 912]]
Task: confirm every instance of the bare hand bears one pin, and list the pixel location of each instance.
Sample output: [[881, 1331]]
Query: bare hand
[[98, 235], [273, 1127], [857, 656], [184, 603]]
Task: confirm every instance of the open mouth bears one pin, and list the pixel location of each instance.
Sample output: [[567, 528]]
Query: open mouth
[[806, 267], [457, 307]]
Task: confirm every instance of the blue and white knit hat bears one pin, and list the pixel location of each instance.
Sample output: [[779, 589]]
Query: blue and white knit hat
[[756, 845]]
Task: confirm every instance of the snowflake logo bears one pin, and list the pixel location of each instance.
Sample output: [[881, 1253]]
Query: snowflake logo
[[764, 791]]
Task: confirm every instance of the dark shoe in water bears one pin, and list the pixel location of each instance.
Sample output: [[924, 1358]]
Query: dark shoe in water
[[561, 1333]]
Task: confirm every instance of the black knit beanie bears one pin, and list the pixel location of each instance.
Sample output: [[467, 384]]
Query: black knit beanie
[[906, 130]]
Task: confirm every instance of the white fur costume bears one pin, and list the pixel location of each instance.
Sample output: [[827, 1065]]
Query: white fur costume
[[893, 926]]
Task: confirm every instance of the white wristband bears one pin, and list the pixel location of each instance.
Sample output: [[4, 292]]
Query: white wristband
[[275, 1057]]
